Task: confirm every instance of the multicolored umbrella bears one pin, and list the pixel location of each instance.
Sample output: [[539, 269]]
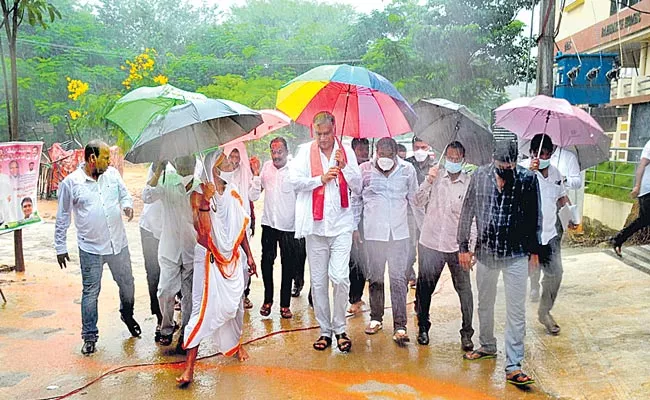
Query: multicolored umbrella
[[365, 104], [135, 110], [273, 120]]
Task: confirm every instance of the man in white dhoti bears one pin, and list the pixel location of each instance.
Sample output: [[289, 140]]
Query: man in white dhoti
[[323, 174], [5, 197], [222, 265]]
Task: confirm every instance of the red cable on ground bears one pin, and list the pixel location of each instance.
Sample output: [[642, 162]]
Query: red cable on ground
[[123, 368]]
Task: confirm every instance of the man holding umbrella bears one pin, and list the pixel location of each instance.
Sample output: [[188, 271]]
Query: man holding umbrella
[[177, 241], [504, 200], [323, 174]]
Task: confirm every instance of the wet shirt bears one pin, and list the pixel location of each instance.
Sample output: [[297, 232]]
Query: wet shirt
[[386, 200], [421, 172], [567, 163], [509, 222], [178, 236], [551, 189], [645, 181], [152, 213], [97, 207], [336, 219], [444, 201], [279, 197]]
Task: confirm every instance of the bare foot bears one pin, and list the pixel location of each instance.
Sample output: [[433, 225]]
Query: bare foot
[[186, 378], [356, 307], [242, 355]]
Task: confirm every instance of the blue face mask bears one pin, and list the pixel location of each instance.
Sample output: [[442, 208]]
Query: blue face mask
[[452, 167], [543, 164]]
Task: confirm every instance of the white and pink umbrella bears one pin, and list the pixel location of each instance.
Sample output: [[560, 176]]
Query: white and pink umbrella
[[273, 120]]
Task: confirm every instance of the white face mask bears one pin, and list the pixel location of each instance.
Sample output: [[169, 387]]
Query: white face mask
[[385, 164], [420, 155], [226, 176]]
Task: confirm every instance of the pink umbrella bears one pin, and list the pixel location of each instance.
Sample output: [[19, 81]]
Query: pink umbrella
[[273, 120], [565, 124]]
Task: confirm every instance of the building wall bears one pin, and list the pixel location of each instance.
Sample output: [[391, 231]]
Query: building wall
[[579, 15]]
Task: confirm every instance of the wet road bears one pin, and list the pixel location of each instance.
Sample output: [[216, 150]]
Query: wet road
[[602, 352]]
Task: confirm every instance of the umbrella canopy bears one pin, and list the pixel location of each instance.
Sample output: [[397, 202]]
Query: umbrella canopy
[[565, 124], [365, 104], [192, 127], [135, 110], [442, 121], [273, 120]]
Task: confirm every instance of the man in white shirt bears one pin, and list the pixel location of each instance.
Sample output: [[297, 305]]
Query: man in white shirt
[[641, 191], [177, 242], [150, 231], [388, 186], [323, 174], [553, 196], [278, 226], [96, 194]]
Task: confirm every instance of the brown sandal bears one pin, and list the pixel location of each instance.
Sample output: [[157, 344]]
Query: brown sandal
[[265, 310], [285, 312]]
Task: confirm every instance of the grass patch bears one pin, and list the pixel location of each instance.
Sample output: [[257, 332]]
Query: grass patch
[[599, 180]]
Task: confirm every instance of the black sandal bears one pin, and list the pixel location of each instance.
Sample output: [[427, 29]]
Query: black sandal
[[478, 354], [520, 379], [132, 325], [166, 340], [343, 342], [322, 343]]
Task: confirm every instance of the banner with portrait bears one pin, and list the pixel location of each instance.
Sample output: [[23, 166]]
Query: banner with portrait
[[19, 171]]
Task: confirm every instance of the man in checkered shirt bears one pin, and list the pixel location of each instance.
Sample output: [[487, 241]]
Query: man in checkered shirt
[[504, 199]]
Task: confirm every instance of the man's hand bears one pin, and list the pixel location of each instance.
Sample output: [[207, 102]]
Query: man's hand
[[534, 164], [255, 165], [340, 160], [635, 192], [433, 174], [61, 258], [533, 262], [466, 260], [356, 237], [330, 175], [252, 268], [128, 211]]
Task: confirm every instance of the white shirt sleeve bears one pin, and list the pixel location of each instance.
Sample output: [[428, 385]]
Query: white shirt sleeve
[[63, 217], [646, 151], [126, 201], [300, 174], [255, 189], [573, 176], [151, 194]]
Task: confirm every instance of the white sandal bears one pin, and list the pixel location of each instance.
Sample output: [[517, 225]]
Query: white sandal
[[373, 327]]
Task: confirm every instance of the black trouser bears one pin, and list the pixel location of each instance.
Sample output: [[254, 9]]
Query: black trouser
[[358, 270], [639, 223], [290, 257], [301, 256], [150, 253], [430, 268]]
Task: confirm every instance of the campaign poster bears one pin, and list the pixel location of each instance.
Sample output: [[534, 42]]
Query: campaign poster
[[19, 171]]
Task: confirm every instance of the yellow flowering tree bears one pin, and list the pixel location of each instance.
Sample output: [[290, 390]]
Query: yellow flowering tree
[[76, 89], [141, 71]]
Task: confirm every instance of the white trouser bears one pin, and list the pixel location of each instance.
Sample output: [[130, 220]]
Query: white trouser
[[329, 259], [174, 276]]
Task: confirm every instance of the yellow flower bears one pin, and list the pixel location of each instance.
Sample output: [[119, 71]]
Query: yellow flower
[[161, 79], [76, 88], [74, 114]]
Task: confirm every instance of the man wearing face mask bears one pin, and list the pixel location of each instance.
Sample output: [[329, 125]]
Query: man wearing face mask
[[504, 200], [96, 194], [443, 192], [177, 241], [388, 191], [553, 196], [422, 162], [358, 255]]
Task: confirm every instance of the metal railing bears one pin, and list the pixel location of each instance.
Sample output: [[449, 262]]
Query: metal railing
[[611, 172]]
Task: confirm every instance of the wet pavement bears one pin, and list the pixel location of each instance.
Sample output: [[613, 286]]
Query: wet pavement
[[601, 353]]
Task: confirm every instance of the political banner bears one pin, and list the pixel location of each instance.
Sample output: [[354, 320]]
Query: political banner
[[19, 171]]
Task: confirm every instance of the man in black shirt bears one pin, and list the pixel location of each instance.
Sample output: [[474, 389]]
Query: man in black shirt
[[504, 199]]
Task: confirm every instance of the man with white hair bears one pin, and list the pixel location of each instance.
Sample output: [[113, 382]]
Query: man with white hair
[[324, 173]]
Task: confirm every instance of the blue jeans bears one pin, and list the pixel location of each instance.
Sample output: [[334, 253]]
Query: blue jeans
[[515, 276], [92, 266]]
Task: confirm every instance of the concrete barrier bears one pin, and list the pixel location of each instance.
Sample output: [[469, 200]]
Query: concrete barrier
[[610, 213]]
